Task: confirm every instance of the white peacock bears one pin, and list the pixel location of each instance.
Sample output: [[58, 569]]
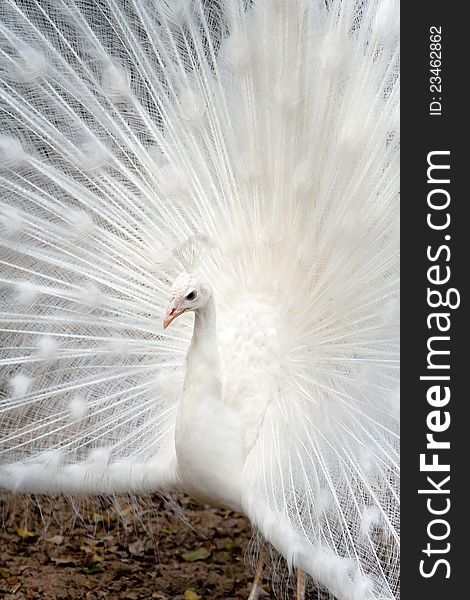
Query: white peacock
[[137, 134]]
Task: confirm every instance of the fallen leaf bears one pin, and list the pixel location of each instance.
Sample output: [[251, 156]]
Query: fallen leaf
[[233, 546], [103, 519], [190, 595], [25, 533], [89, 546], [200, 554], [55, 539], [93, 570], [168, 531], [96, 558], [4, 574], [88, 583], [136, 547], [130, 595], [97, 518], [63, 561]]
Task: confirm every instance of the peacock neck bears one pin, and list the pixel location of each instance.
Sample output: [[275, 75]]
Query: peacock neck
[[202, 368], [205, 324]]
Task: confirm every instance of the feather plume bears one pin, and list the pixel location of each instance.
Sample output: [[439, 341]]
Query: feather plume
[[254, 144]]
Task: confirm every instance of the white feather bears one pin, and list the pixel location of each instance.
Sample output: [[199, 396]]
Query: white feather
[[11, 222], [78, 407], [20, 385], [11, 152], [254, 146], [47, 348]]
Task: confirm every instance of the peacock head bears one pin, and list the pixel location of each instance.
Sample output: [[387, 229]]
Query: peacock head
[[188, 292]]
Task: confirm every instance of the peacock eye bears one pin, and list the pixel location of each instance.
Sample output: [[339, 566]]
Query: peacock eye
[[192, 295]]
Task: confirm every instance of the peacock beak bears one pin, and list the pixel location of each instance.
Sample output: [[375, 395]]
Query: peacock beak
[[172, 312]]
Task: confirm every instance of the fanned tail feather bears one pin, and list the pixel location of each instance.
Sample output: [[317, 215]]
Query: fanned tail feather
[[136, 134]]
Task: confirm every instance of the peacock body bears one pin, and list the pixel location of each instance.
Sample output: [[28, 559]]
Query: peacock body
[[246, 151]]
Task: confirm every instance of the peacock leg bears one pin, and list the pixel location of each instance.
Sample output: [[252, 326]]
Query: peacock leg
[[300, 595], [256, 590]]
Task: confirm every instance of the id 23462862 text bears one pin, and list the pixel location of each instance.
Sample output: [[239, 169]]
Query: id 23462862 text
[[435, 68]]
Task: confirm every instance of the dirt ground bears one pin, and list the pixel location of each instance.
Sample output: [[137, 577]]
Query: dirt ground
[[102, 551]]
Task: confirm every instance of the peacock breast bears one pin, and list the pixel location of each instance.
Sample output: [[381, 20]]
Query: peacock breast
[[210, 451], [251, 358]]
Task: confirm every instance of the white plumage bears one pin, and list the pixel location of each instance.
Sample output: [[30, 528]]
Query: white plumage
[[247, 151]]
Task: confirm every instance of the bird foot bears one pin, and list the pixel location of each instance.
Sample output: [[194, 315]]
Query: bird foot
[[257, 592], [300, 591]]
